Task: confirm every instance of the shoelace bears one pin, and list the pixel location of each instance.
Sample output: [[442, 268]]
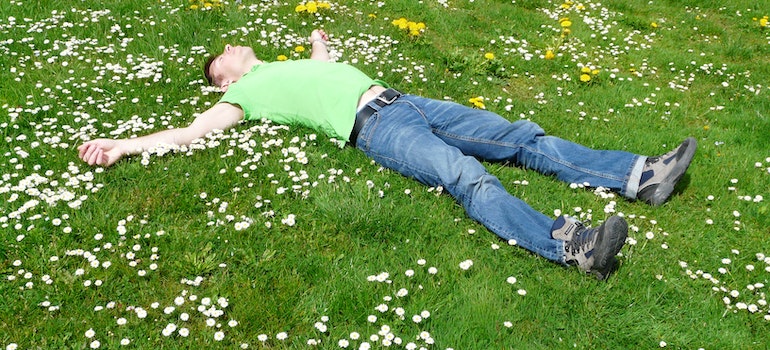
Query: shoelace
[[580, 241], [668, 155]]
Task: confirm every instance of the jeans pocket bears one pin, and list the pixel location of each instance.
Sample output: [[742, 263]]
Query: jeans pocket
[[364, 141]]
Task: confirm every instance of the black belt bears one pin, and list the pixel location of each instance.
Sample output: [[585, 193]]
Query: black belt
[[383, 99]]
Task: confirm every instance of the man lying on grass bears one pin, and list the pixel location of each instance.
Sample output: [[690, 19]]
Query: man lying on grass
[[438, 143]]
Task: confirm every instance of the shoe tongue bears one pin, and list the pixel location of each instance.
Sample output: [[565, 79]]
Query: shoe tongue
[[583, 238], [573, 229]]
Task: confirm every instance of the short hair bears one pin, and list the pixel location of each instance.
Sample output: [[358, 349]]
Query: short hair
[[207, 69]]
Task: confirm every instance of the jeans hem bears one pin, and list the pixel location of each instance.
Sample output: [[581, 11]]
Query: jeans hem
[[635, 177]]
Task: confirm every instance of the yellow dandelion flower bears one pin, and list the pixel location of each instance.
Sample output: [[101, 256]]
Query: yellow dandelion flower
[[282, 58], [706, 127], [312, 7], [371, 15], [299, 49], [654, 25], [585, 78], [549, 55], [595, 72], [489, 56], [193, 7], [477, 102], [401, 23], [413, 28], [763, 22], [300, 8], [585, 70], [565, 22], [565, 32], [324, 5], [207, 5], [580, 7]]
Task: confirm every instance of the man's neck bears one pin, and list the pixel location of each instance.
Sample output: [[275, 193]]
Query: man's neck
[[255, 63]]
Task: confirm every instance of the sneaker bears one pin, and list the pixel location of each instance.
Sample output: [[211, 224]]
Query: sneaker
[[565, 227], [661, 173], [593, 250]]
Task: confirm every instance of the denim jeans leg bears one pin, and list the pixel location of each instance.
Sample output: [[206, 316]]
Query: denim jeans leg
[[490, 137], [401, 138]]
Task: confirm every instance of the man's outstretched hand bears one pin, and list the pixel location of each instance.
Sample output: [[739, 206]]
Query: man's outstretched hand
[[317, 40], [103, 152], [318, 35]]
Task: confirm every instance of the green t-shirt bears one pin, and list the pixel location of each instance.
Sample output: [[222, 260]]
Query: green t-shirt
[[317, 94]]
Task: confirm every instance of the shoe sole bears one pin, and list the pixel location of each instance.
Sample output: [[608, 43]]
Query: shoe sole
[[666, 187], [611, 239]]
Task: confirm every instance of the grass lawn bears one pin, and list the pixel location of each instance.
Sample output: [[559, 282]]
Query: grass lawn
[[267, 236]]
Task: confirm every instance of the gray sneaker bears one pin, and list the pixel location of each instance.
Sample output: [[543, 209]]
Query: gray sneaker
[[593, 250], [661, 173], [564, 228]]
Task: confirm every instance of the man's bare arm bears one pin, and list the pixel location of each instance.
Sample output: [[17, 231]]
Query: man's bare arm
[[319, 51], [106, 152]]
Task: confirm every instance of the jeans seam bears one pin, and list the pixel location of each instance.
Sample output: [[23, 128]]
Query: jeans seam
[[623, 179]]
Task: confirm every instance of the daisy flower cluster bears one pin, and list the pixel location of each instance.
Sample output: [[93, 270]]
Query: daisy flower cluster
[[123, 249], [395, 309], [608, 43], [397, 322], [741, 286]]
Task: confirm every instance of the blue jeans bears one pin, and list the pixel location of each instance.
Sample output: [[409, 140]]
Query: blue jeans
[[440, 143]]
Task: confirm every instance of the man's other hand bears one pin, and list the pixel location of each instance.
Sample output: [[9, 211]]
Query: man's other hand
[[103, 152]]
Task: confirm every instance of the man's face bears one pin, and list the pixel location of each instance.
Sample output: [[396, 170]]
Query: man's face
[[231, 65]]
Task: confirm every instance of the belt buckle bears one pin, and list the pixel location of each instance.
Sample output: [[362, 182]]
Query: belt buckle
[[387, 101]]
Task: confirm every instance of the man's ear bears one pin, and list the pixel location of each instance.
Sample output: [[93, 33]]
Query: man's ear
[[225, 85]]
